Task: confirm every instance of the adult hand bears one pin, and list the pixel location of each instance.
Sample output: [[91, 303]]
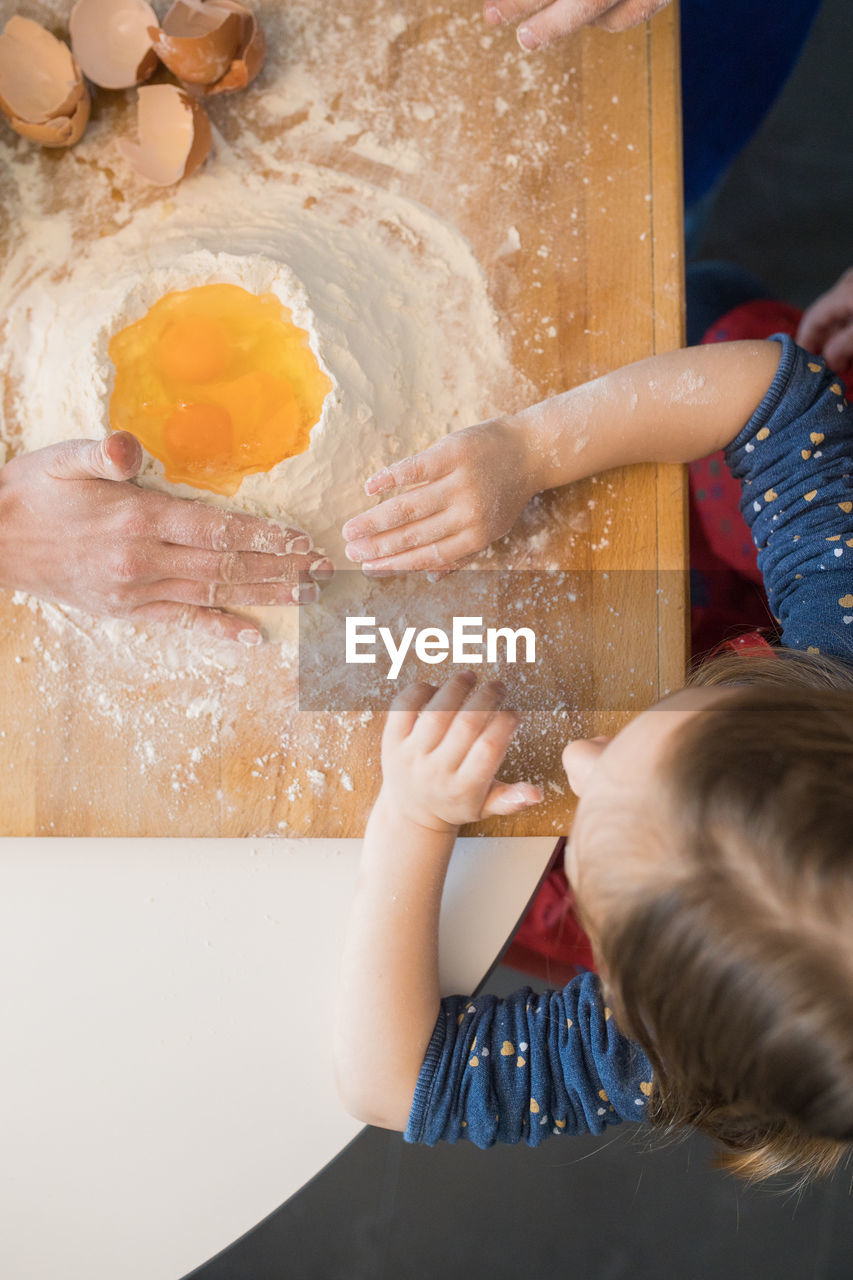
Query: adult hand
[[547, 20], [72, 528], [827, 327], [470, 488]]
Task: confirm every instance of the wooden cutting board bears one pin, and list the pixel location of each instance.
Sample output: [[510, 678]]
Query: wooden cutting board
[[562, 169]]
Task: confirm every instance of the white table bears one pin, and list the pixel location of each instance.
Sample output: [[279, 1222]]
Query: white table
[[166, 1011]]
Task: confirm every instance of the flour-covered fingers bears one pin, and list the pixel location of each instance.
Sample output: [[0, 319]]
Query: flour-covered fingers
[[196, 524], [435, 575], [210, 622], [488, 749], [432, 464], [629, 13], [165, 560], [223, 595], [420, 533], [395, 513], [437, 715], [470, 722], [115, 457], [434, 556], [510, 797], [404, 711], [541, 21]]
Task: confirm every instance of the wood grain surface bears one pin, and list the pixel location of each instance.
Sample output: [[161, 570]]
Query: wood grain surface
[[562, 169]]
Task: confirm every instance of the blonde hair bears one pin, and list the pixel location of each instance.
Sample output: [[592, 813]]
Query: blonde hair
[[735, 971]]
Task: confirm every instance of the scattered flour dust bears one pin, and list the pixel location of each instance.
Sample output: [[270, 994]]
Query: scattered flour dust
[[392, 296], [394, 302]]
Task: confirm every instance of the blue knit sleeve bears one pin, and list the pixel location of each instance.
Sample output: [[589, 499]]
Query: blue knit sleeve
[[526, 1068], [794, 459]]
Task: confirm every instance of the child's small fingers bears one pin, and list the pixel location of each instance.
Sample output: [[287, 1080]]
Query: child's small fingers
[[438, 714], [471, 721], [435, 575], [404, 710], [433, 556], [421, 533], [417, 469], [391, 514], [511, 797], [489, 748]]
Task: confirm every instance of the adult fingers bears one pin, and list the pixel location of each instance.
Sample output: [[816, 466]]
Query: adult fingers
[[435, 575], [544, 22], [838, 349], [629, 13], [435, 555], [165, 560], [191, 523], [433, 463], [419, 534], [470, 722], [438, 713], [405, 709], [221, 595], [831, 309], [209, 622], [511, 797], [396, 512], [116, 457]]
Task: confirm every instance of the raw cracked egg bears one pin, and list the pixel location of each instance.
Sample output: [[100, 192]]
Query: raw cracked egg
[[217, 383]]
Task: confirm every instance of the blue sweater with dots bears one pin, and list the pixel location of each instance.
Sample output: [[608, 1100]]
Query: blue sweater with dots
[[535, 1066], [794, 459]]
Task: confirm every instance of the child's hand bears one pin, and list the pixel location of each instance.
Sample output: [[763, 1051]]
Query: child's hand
[[472, 485], [440, 754]]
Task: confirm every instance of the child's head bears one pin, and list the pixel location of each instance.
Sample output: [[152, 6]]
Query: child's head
[[712, 855]]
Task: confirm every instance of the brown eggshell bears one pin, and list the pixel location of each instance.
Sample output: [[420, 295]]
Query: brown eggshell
[[174, 135], [62, 131], [197, 41], [251, 58], [42, 93], [110, 40]]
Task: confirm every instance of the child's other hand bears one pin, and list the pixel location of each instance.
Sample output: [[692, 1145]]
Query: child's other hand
[[827, 326], [441, 750], [471, 488], [550, 19]]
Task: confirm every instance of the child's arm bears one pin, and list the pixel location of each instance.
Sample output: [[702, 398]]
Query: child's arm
[[473, 484], [439, 759]]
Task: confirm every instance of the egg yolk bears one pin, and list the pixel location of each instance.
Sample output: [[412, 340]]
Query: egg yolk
[[217, 383]]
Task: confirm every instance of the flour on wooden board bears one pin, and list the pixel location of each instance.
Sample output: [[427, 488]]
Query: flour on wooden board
[[393, 299]]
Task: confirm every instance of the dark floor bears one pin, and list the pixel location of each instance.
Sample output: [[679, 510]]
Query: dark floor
[[611, 1209]]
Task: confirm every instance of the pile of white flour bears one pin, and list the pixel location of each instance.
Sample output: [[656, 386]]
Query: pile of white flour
[[393, 299]]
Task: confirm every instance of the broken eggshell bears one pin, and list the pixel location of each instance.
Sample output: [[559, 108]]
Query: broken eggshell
[[42, 93], [174, 135], [211, 47], [110, 40]]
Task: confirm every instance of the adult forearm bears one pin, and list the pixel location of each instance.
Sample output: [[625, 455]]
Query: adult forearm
[[670, 408]]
